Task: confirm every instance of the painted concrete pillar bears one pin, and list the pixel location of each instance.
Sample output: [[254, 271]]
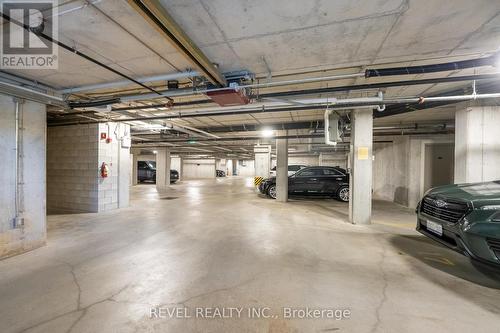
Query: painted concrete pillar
[[124, 165], [282, 170], [134, 160], [162, 169], [181, 167], [477, 144], [262, 163], [360, 203], [23, 184], [234, 170]]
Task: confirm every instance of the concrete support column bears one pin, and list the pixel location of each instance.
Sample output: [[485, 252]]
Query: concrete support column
[[262, 161], [282, 170], [124, 167], [477, 144], [360, 203], [234, 171], [134, 160], [162, 169], [181, 167]]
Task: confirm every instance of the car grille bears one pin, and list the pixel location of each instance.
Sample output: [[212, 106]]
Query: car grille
[[494, 245], [444, 209]]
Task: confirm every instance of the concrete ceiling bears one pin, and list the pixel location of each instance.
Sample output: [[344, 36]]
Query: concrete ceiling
[[297, 35], [292, 35], [291, 38]]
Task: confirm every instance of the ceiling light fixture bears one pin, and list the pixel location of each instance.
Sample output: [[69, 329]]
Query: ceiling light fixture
[[267, 132], [156, 126]]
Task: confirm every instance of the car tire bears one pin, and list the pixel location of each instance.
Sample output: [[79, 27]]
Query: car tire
[[343, 194], [271, 191]]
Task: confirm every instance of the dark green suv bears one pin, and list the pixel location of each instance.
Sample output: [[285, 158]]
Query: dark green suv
[[464, 217]]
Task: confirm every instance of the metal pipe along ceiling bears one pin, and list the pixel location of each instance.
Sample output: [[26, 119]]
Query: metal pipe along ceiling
[[73, 50], [164, 77], [381, 85], [367, 86], [350, 103], [298, 136], [299, 92], [456, 65], [34, 95], [443, 67], [314, 126]]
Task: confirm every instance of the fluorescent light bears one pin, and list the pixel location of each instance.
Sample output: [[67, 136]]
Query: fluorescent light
[[155, 126], [266, 132]]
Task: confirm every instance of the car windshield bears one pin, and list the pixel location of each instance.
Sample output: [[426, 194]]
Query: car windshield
[[152, 165]]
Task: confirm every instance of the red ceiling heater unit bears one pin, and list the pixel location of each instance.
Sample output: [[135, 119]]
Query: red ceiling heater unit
[[229, 97]]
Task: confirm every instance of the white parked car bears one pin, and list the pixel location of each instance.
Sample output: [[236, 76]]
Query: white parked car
[[292, 169]]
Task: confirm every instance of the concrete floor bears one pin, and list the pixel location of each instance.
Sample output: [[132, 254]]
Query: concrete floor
[[216, 243]]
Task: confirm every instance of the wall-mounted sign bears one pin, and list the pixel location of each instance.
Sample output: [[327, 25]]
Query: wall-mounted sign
[[362, 153]]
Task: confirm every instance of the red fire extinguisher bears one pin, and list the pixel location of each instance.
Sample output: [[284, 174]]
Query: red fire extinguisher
[[104, 170]]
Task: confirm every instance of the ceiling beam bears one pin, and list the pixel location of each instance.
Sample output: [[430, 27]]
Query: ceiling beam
[[160, 19]]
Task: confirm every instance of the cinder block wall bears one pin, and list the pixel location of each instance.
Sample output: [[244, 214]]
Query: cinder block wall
[[72, 169], [15, 239], [74, 157], [113, 191]]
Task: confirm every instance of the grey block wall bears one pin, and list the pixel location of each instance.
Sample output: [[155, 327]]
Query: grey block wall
[[74, 157], [15, 239], [72, 169], [113, 191]]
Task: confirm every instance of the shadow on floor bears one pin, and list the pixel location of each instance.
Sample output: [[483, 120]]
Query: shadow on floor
[[437, 257], [326, 205], [446, 260], [58, 211]]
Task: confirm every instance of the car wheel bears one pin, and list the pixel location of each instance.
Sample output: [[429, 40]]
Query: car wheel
[[343, 194], [271, 191]]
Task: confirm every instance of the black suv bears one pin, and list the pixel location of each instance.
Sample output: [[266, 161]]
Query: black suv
[[146, 170], [331, 181]]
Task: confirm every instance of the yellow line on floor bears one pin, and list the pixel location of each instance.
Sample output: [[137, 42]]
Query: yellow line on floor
[[410, 226]]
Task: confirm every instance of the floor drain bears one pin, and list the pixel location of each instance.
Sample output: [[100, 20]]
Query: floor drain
[[169, 198]]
